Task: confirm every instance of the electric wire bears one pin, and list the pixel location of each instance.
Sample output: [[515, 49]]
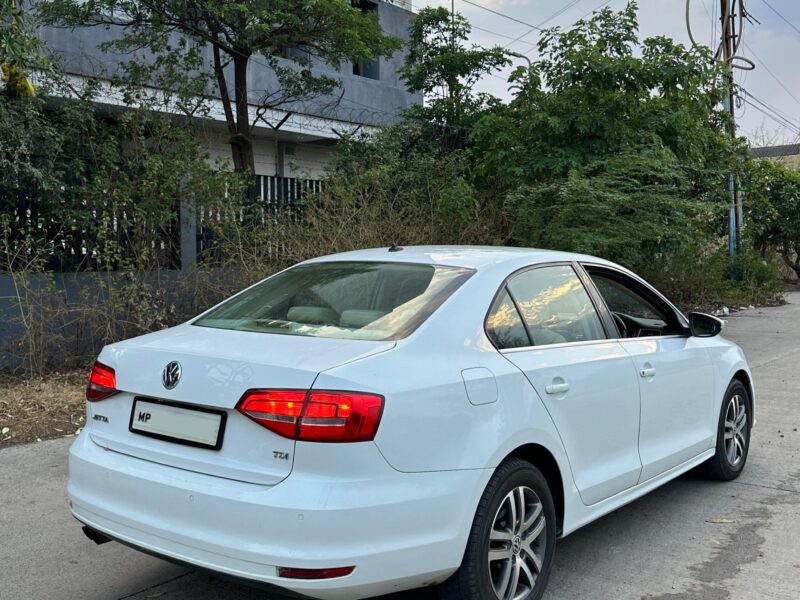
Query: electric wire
[[538, 27], [782, 114], [789, 127], [501, 35], [727, 32], [586, 14], [499, 14], [770, 111], [769, 71], [777, 12]]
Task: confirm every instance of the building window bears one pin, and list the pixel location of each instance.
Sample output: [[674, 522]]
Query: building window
[[367, 68]]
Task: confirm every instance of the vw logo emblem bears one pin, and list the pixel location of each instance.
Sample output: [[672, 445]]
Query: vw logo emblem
[[171, 375], [516, 544]]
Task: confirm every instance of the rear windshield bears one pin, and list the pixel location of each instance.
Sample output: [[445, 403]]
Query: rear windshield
[[350, 300]]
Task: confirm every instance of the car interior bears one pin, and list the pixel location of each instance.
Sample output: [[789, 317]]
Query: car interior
[[635, 315]]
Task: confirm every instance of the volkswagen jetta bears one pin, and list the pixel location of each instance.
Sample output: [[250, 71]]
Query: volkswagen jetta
[[383, 420]]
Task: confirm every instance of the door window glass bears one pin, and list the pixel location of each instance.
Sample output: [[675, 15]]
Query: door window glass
[[555, 306], [504, 325], [634, 314]]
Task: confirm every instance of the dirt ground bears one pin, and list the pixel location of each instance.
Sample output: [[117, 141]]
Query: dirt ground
[[41, 408]]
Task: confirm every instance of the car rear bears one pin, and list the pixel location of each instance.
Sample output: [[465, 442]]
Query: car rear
[[209, 443]]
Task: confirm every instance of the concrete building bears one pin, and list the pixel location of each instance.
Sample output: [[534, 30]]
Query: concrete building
[[787, 154], [372, 94]]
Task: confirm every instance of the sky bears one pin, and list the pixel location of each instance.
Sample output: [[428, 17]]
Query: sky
[[774, 46]]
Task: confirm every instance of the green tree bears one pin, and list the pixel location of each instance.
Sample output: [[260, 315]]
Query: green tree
[[597, 90], [238, 33], [630, 208], [773, 210], [441, 64]]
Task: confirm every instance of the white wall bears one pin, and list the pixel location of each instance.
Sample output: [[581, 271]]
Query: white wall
[[308, 161]]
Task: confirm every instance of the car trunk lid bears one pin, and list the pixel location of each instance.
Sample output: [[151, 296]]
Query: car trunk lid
[[216, 367]]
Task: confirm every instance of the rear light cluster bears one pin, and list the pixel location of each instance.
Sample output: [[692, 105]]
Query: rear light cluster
[[315, 415], [102, 382]]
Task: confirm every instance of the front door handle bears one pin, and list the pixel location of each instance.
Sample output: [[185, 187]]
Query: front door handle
[[647, 371], [559, 386]]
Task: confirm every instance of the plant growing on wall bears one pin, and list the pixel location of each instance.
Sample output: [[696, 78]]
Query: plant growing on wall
[[19, 50], [285, 36]]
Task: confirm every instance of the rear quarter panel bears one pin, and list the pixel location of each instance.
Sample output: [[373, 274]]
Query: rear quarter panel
[[429, 423]]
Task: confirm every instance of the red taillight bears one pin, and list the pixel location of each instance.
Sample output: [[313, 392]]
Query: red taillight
[[315, 416], [291, 573], [102, 382]]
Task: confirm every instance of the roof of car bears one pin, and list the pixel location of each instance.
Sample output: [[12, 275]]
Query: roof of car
[[473, 257]]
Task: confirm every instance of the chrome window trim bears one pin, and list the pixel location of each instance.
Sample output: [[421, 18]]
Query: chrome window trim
[[592, 342]]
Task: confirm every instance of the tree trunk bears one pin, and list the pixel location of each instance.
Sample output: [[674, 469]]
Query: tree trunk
[[793, 262], [242, 141]]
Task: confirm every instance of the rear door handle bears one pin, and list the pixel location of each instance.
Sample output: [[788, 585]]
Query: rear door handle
[[557, 388], [647, 371]]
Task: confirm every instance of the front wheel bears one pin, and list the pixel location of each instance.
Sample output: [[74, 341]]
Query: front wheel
[[510, 548], [733, 435]]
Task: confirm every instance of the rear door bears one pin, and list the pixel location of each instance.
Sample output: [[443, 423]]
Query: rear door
[[674, 370], [545, 323]]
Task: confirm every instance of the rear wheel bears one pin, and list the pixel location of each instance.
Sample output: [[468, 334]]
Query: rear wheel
[[733, 435], [510, 549]]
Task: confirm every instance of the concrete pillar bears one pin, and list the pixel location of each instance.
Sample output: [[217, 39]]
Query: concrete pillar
[[188, 235]]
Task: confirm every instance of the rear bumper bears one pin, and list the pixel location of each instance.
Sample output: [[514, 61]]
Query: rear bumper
[[399, 530]]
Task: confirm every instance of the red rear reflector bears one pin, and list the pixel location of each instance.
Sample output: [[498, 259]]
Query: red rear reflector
[[315, 416], [290, 573], [102, 382]]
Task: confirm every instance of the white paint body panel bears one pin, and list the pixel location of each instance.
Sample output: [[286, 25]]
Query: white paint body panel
[[399, 508]]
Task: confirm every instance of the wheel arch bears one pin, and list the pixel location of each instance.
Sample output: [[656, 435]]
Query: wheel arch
[[743, 377], [541, 458]]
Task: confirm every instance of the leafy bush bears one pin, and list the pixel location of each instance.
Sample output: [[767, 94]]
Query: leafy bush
[[773, 215], [633, 209]]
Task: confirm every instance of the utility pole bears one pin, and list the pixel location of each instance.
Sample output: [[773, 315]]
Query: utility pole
[[729, 47]]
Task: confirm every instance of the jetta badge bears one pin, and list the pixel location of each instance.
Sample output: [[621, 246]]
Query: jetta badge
[[171, 375]]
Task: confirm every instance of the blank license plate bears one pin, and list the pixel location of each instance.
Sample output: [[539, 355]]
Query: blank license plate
[[177, 423]]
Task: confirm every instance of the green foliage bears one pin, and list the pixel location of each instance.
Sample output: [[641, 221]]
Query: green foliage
[[20, 50], [632, 208], [439, 58], [597, 91], [441, 64], [103, 189], [611, 145], [773, 210]]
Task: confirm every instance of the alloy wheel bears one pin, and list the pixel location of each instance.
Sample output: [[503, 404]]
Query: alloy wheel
[[735, 430], [517, 543]]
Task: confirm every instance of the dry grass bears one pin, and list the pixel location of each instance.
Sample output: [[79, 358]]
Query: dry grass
[[41, 408]]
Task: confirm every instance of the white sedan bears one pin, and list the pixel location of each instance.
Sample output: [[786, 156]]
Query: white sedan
[[387, 419]]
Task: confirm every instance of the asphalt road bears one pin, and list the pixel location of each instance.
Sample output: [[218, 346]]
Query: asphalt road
[[665, 546]]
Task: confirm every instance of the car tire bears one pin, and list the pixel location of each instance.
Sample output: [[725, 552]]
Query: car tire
[[733, 435], [520, 547]]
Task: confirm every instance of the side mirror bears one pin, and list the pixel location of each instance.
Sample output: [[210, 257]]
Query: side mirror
[[703, 325]]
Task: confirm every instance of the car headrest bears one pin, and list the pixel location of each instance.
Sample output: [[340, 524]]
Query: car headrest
[[356, 319], [312, 315]]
